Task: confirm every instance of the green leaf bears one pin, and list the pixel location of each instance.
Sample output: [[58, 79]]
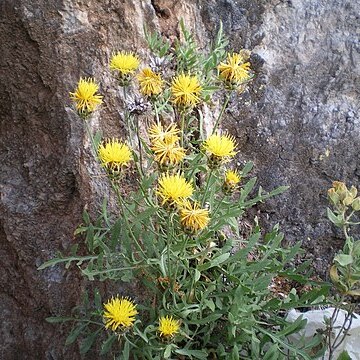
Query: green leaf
[[344, 356], [54, 320], [74, 334], [126, 351], [197, 354], [335, 219], [107, 344], [278, 190], [343, 259], [88, 342], [214, 262]]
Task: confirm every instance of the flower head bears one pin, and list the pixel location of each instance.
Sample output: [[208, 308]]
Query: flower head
[[169, 135], [231, 181], [167, 152], [124, 62], [220, 147], [192, 217], [85, 96], [185, 90], [113, 154], [236, 70], [119, 312], [173, 189], [150, 82], [137, 105], [168, 326]]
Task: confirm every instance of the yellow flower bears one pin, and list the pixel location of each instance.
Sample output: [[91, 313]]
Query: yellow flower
[[235, 70], [113, 154], [221, 146], [232, 179], [185, 90], [192, 217], [150, 82], [173, 189], [124, 62], [167, 153], [168, 326], [85, 96], [119, 312], [157, 133]]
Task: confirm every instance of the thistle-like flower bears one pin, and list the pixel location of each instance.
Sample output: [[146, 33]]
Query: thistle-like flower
[[173, 189], [85, 97], [236, 70], [231, 181], [169, 135], [192, 217], [125, 64], [168, 326], [150, 82], [114, 154], [167, 153], [220, 148], [185, 90], [119, 313]]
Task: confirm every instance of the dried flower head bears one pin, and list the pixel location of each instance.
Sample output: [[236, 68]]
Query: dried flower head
[[169, 135], [150, 82], [173, 189], [157, 63], [220, 148], [231, 181], [185, 90], [167, 153], [168, 326], [114, 154], [137, 105], [85, 96], [119, 313], [192, 217], [236, 70]]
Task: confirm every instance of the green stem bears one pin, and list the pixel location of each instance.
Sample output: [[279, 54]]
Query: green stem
[[182, 123], [126, 116], [207, 186], [168, 246], [218, 120], [141, 170], [92, 140], [120, 201]]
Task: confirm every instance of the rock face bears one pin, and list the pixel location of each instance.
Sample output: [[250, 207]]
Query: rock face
[[299, 123]]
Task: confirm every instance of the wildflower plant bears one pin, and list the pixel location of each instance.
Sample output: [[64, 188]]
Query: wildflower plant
[[177, 235]]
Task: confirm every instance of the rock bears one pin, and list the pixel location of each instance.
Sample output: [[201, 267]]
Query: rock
[[301, 106]]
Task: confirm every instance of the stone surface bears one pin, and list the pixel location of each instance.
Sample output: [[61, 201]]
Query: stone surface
[[299, 123]]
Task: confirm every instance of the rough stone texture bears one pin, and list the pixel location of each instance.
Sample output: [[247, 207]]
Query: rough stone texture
[[299, 122]]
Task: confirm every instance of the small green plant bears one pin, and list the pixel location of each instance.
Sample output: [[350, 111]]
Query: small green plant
[[345, 271], [205, 287]]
